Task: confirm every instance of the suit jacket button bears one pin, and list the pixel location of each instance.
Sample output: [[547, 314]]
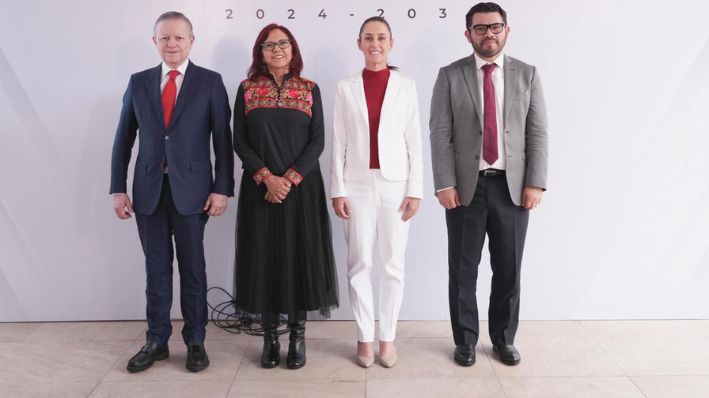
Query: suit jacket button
[[167, 137]]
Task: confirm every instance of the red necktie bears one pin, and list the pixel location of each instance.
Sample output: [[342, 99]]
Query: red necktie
[[169, 93], [490, 117]]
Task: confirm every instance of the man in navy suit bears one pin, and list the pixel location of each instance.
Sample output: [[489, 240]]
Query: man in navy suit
[[175, 108]]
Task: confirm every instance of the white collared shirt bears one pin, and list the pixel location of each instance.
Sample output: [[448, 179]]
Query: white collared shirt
[[178, 80], [498, 81]]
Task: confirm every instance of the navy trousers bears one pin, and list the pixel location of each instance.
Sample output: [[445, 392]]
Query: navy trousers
[[156, 236], [491, 213]]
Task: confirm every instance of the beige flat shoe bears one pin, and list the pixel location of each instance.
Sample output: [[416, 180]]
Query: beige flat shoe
[[365, 361], [388, 360]]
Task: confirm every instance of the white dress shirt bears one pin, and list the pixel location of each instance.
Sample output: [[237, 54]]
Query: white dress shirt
[[178, 80]]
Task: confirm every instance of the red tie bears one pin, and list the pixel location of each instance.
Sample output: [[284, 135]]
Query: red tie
[[169, 93], [490, 117]]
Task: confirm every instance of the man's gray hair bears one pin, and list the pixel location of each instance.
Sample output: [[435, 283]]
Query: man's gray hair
[[172, 15]]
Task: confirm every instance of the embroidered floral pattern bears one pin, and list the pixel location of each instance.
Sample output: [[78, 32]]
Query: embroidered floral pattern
[[293, 176], [294, 93], [262, 175]]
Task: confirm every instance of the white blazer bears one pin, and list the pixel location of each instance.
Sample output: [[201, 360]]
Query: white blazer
[[399, 135]]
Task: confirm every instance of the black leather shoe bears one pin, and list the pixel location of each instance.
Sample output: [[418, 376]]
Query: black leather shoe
[[147, 355], [464, 355], [271, 356], [508, 354], [197, 358], [296, 348]]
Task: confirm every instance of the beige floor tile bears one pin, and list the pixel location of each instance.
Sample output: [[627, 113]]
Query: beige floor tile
[[565, 387], [40, 389], [673, 386], [327, 360], [224, 356], [63, 332], [331, 330], [16, 332], [478, 387], [701, 325], [50, 362], [429, 358], [161, 389], [556, 349], [297, 388], [427, 329], [648, 348]]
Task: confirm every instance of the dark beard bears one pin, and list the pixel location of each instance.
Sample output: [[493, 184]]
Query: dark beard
[[488, 53]]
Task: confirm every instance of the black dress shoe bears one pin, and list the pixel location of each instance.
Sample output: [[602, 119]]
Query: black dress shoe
[[147, 355], [197, 358], [508, 354], [270, 356], [464, 354], [296, 348]]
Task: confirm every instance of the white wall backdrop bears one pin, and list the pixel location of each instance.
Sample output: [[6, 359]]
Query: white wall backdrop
[[622, 232]]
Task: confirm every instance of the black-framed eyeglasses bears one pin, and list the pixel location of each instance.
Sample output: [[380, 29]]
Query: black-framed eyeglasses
[[270, 45], [481, 29]]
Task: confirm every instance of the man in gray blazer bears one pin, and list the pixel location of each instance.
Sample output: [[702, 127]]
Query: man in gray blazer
[[489, 152]]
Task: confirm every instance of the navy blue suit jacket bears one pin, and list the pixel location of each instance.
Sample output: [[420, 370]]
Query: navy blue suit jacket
[[201, 111]]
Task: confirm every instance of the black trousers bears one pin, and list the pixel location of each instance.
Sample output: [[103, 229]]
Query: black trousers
[[491, 212], [156, 235]]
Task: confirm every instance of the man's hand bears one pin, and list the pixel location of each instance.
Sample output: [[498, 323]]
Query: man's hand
[[448, 198], [531, 197], [408, 207], [342, 207], [215, 204], [122, 206]]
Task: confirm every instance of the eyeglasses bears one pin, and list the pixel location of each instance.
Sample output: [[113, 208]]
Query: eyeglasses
[[270, 46], [482, 28]]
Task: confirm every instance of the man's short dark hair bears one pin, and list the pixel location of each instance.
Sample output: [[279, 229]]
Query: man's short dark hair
[[484, 7], [172, 15]]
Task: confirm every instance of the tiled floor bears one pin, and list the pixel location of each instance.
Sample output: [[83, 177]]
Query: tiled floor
[[559, 359]]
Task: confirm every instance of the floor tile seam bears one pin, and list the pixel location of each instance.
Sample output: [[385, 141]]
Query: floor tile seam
[[238, 368], [115, 363], [494, 371], [637, 387], [604, 348], [670, 375], [300, 379], [566, 377]]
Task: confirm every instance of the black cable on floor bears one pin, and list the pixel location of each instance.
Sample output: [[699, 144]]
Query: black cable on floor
[[228, 317]]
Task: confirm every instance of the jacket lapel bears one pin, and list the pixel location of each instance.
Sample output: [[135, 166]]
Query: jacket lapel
[[357, 86], [510, 70], [390, 95], [154, 94], [469, 71], [186, 92]]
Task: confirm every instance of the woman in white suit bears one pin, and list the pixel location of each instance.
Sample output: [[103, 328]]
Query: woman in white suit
[[377, 183]]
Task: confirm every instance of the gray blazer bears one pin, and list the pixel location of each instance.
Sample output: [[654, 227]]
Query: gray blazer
[[456, 128]]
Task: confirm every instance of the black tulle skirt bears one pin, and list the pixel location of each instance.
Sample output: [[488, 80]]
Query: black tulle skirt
[[284, 259]]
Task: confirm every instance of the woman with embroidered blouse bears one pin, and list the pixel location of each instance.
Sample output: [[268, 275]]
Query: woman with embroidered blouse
[[376, 184], [284, 260]]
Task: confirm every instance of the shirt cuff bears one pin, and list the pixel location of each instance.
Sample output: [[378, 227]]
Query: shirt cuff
[[293, 176], [443, 189], [262, 175]]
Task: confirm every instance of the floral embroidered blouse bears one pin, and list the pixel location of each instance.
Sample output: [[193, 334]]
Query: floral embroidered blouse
[[279, 130]]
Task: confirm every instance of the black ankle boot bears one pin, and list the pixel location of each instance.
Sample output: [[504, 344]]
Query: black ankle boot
[[296, 348], [271, 356]]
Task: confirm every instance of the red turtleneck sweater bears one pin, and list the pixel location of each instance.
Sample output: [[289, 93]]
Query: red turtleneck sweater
[[375, 85]]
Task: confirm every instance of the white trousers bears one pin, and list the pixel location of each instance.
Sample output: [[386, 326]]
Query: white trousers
[[376, 218]]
